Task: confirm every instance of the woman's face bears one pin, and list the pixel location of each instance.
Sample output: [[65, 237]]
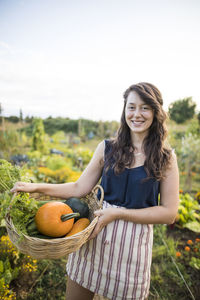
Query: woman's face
[[139, 115]]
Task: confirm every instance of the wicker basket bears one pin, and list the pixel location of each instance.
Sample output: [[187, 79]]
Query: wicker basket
[[56, 247]]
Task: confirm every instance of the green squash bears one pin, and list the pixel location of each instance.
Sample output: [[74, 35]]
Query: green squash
[[78, 206]]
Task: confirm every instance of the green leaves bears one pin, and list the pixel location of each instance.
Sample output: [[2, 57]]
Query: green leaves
[[1, 266], [193, 226], [5, 199], [195, 263], [23, 209], [9, 174], [188, 213]]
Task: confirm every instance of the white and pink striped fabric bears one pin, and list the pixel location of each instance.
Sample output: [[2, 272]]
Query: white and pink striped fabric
[[116, 264]]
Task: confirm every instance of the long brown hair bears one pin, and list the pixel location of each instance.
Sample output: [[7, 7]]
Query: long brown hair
[[157, 154]]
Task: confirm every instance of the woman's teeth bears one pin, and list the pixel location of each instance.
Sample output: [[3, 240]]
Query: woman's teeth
[[137, 122]]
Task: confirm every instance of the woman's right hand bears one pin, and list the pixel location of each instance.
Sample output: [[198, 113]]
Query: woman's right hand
[[24, 187]]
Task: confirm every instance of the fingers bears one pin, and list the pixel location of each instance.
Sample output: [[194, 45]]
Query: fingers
[[18, 187], [15, 188], [99, 226], [98, 213], [96, 231], [105, 217]]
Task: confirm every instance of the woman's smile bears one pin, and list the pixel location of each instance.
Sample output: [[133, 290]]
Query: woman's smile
[[137, 123]]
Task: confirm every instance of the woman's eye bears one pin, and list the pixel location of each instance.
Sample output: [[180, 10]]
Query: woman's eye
[[145, 108]]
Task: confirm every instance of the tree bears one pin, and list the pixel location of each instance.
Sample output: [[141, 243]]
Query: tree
[[81, 130], [2, 118], [182, 110], [38, 142], [28, 119], [190, 157], [101, 131], [12, 119], [21, 115], [198, 117]]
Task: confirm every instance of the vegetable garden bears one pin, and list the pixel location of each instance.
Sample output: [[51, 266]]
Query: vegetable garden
[[60, 156]]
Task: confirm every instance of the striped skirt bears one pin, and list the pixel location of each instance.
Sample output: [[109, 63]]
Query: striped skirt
[[116, 264]]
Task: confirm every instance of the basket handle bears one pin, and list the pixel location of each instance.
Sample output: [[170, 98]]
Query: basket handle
[[102, 193]]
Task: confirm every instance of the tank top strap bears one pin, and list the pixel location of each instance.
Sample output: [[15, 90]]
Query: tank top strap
[[107, 147]]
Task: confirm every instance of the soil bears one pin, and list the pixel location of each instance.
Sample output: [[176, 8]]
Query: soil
[[180, 234]]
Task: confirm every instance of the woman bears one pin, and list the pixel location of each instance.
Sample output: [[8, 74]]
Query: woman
[[135, 168]]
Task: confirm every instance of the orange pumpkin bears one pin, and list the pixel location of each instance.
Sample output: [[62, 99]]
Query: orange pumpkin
[[55, 219]]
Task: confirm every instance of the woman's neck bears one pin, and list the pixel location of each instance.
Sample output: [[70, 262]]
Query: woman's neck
[[137, 140]]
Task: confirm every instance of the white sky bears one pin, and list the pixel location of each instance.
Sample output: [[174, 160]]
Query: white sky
[[76, 58]]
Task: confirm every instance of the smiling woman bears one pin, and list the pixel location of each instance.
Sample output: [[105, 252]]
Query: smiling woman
[[134, 169]]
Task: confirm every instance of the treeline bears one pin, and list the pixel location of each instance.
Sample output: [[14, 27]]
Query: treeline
[[80, 127], [179, 111]]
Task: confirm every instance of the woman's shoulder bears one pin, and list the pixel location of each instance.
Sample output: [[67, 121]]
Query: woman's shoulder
[[100, 147], [173, 158], [170, 155], [172, 165], [99, 152]]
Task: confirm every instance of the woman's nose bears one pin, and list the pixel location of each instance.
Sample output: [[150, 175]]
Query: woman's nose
[[137, 112]]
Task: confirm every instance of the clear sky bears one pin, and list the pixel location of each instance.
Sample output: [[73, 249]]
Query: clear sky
[[75, 58]]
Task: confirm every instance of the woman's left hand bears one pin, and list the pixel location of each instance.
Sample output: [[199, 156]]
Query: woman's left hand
[[106, 216]]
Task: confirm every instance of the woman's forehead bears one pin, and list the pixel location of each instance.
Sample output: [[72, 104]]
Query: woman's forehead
[[133, 97]]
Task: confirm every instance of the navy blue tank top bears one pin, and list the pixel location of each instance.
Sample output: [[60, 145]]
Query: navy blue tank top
[[128, 189]]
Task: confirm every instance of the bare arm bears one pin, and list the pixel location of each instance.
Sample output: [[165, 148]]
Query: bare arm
[[163, 214], [81, 187]]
